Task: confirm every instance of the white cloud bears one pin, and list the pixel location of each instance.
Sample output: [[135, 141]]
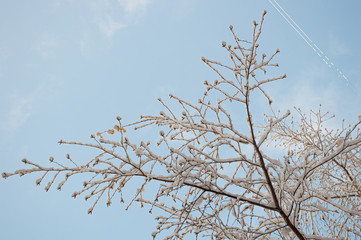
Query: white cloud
[[110, 16], [83, 43], [134, 6], [181, 9], [21, 106], [47, 45], [3, 58], [307, 93], [96, 22], [3, 55], [307, 96], [108, 25], [337, 47], [19, 112]]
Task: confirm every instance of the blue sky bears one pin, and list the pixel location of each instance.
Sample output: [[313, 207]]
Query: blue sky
[[68, 68]]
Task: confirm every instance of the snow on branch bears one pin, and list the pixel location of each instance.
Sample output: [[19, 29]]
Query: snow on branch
[[215, 173]]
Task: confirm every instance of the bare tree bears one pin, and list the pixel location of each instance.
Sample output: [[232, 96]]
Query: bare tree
[[220, 175]]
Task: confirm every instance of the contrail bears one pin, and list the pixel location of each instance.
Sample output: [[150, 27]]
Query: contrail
[[293, 26], [297, 25], [322, 55], [308, 40]]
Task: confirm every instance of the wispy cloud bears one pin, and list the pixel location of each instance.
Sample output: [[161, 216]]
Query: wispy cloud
[[3, 58], [96, 22], [21, 106], [108, 25], [20, 110], [112, 15], [307, 93], [134, 6], [3, 55], [337, 47], [47, 45]]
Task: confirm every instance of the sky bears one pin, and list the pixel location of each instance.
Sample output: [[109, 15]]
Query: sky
[[68, 68]]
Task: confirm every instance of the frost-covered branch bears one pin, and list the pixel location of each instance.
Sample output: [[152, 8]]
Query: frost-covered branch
[[215, 173]]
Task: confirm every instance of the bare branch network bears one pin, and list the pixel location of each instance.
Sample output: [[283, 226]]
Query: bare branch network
[[215, 174]]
